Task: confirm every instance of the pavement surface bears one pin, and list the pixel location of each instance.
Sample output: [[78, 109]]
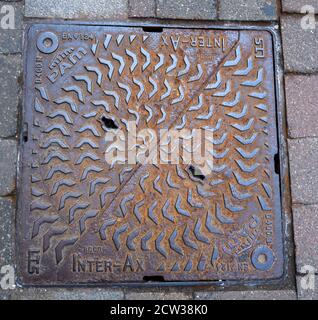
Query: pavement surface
[[299, 34]]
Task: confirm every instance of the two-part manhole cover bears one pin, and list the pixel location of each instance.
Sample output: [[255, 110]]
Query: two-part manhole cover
[[89, 214]]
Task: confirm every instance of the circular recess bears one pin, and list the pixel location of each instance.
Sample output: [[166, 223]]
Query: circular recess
[[47, 42], [263, 258]]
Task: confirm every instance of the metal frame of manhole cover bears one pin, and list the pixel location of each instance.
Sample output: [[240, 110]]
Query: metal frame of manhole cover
[[83, 219]]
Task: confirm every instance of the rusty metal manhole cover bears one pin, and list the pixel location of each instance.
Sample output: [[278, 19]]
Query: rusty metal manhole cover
[[83, 219]]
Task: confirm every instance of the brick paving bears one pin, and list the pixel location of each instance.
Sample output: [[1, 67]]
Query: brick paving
[[10, 69], [190, 9], [303, 156], [247, 10], [77, 9], [306, 236], [7, 208], [300, 46], [8, 159], [143, 9], [67, 294], [300, 64], [11, 40], [301, 100], [247, 295], [163, 295], [292, 6]]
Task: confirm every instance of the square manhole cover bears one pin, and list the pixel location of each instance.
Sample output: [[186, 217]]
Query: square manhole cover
[[89, 212]]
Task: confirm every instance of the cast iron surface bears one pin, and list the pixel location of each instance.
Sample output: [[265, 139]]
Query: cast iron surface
[[82, 220]]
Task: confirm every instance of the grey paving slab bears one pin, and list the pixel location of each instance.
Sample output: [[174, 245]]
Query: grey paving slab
[[302, 110], [67, 294], [247, 10], [144, 9], [305, 220], [300, 46], [8, 160], [293, 6], [7, 211], [159, 295], [247, 295], [11, 27], [303, 157], [187, 9], [77, 9], [10, 68], [4, 295]]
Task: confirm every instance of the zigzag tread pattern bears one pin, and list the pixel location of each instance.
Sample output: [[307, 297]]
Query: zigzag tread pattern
[[171, 210]]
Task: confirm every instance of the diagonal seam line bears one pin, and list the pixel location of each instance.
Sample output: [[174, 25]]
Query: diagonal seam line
[[181, 113]]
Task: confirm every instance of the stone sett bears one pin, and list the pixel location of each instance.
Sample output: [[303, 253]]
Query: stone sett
[[11, 39], [8, 160], [5, 295], [143, 9], [7, 211], [9, 94], [159, 295], [303, 291], [305, 220], [77, 9], [187, 9], [292, 6], [303, 158], [67, 294], [302, 107], [247, 10], [247, 295], [300, 46]]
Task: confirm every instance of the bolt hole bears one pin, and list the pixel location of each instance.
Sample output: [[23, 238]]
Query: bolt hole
[[277, 163], [152, 29], [196, 173], [262, 258], [109, 123], [154, 279], [47, 42]]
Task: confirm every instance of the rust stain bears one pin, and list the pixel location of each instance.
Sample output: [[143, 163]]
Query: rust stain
[[84, 220]]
